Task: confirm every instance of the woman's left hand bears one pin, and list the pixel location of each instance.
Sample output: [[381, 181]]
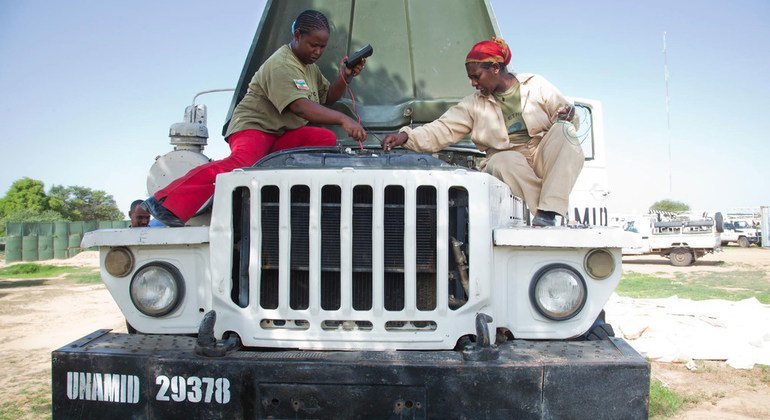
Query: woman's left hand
[[565, 113], [355, 71]]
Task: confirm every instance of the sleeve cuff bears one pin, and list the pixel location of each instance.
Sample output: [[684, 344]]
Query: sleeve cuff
[[281, 107], [408, 131]]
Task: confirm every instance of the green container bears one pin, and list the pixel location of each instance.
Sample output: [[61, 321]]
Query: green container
[[76, 227], [105, 224], [44, 228], [61, 229], [90, 225], [45, 247], [60, 245], [29, 248], [74, 244], [14, 229], [122, 224], [12, 248]]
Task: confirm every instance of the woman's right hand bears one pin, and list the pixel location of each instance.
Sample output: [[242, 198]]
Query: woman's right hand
[[353, 129]]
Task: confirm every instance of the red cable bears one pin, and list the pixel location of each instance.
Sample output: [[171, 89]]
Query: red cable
[[352, 98]]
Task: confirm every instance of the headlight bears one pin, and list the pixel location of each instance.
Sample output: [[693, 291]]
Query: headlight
[[558, 292], [119, 261], [157, 289], [599, 264]]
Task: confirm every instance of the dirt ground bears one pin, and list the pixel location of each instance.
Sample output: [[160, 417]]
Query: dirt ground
[[38, 316]]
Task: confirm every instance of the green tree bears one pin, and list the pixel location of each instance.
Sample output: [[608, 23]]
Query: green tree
[[24, 194], [28, 215], [82, 203], [27, 201], [669, 206]]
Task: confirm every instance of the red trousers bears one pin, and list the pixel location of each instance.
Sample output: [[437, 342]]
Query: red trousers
[[185, 196]]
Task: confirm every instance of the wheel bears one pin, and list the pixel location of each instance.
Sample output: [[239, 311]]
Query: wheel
[[719, 222], [743, 242], [130, 328], [724, 243], [600, 330], [680, 257]]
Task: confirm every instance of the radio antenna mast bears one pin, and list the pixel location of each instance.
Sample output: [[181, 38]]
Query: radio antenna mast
[[668, 116]]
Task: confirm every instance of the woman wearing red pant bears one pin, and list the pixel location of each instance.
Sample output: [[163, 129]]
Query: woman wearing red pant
[[284, 95]]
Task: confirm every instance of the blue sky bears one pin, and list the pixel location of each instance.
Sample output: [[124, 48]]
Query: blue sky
[[90, 88]]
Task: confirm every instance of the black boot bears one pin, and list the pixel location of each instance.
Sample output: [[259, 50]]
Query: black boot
[[160, 213], [544, 218]]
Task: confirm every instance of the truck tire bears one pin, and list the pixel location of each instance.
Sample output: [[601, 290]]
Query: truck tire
[[680, 257], [130, 328], [600, 330], [743, 242], [719, 221]]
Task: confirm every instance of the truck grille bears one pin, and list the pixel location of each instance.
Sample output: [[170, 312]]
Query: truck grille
[[330, 237]]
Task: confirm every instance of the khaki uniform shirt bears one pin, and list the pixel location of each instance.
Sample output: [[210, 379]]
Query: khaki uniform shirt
[[481, 117], [281, 80], [510, 105]]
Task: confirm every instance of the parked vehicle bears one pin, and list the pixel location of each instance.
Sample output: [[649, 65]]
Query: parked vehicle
[[681, 239], [347, 283], [741, 232]]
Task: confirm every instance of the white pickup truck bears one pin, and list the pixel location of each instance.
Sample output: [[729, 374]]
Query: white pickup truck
[[680, 239], [741, 232]]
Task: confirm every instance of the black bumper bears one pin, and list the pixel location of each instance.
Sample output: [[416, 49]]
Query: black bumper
[[158, 377]]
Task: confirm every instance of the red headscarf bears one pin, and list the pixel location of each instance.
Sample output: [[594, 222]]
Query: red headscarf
[[493, 51]]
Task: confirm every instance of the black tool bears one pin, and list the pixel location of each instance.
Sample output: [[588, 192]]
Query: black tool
[[356, 57]]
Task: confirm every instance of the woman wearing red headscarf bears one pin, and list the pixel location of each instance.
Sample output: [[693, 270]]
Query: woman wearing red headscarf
[[522, 122]]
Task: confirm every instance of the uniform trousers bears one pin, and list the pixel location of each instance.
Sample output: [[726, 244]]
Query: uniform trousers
[[186, 195], [542, 171]]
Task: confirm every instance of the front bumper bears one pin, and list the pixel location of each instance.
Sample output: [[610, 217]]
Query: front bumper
[[160, 376]]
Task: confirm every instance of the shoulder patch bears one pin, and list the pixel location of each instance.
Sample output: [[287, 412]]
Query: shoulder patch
[[301, 84]]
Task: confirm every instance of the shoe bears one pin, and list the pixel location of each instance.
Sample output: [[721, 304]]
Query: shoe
[[544, 218], [160, 213]]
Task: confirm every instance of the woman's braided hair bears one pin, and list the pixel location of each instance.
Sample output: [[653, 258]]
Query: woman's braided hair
[[308, 21]]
